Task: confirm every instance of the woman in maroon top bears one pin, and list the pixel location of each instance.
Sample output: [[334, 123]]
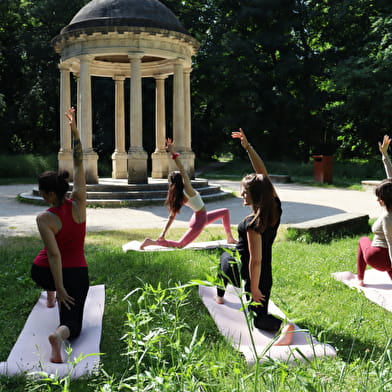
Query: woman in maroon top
[[60, 267]]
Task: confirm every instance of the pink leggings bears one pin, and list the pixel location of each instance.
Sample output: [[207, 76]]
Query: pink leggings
[[374, 256], [199, 220]]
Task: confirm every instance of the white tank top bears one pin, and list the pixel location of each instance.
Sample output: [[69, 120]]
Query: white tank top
[[194, 202]]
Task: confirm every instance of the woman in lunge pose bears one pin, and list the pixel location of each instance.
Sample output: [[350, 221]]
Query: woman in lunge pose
[[378, 253], [60, 267], [256, 234], [182, 193]]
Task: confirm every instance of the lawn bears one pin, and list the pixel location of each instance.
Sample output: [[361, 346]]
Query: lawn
[[183, 350]]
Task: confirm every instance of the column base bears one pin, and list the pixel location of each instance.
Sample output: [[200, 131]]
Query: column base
[[65, 162], [119, 165], [160, 164], [137, 167], [90, 163]]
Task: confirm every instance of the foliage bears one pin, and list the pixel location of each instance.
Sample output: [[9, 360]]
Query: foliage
[[300, 76], [27, 165], [28, 73]]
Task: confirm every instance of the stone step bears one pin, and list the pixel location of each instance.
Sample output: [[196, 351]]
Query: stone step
[[112, 193]]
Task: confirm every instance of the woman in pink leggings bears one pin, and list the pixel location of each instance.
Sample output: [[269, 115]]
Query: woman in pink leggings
[[181, 192], [378, 253]]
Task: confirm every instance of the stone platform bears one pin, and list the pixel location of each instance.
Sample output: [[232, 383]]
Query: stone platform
[[118, 193]]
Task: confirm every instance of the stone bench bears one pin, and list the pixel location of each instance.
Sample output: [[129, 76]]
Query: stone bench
[[370, 184], [330, 227]]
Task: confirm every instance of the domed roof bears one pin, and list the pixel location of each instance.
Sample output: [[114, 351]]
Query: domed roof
[[124, 13]]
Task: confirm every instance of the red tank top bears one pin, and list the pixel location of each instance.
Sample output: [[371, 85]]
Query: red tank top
[[70, 239]]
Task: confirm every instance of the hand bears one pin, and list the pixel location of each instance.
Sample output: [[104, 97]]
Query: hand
[[169, 145], [383, 147], [64, 299], [161, 238], [257, 296], [240, 135], [71, 117]]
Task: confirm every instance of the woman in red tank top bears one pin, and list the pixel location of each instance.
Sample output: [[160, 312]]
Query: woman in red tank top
[[60, 267]]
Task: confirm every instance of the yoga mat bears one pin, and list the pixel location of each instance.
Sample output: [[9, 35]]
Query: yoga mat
[[378, 287], [231, 323], [135, 245], [32, 349]]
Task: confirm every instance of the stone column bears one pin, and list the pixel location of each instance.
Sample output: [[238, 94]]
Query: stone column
[[188, 154], [160, 165], [78, 111], [119, 157], [178, 105], [90, 157], [137, 157], [179, 131], [65, 160]]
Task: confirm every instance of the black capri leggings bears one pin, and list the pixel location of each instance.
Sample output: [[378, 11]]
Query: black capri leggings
[[231, 273], [76, 283]]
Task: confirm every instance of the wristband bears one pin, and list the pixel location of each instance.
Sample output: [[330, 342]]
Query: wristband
[[175, 155]]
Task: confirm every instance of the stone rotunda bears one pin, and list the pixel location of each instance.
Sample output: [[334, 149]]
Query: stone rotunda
[[122, 39]]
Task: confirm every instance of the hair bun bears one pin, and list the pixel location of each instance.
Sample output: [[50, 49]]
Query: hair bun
[[63, 174]]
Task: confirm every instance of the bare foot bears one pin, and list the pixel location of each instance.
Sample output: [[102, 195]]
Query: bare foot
[[50, 299], [286, 336], [231, 240], [147, 242], [361, 283], [56, 343], [219, 300]]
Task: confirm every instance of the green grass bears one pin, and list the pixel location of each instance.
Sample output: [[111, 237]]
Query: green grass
[[303, 288]]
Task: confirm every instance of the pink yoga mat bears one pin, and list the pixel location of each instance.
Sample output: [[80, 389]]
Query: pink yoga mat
[[231, 323], [32, 349]]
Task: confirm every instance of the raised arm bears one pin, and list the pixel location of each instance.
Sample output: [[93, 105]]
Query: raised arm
[[176, 157], [79, 181], [385, 158], [255, 159]]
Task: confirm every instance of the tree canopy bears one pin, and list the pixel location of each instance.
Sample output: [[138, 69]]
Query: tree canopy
[[302, 77]]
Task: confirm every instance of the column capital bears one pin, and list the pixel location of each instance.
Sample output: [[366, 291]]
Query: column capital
[[64, 67], [179, 61], [160, 77], [85, 58], [137, 55], [119, 78]]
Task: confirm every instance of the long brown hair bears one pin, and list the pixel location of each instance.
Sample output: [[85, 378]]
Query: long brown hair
[[175, 194], [262, 199], [384, 192]]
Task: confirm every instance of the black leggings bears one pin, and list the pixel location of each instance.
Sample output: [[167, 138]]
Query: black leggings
[[76, 283], [230, 273]]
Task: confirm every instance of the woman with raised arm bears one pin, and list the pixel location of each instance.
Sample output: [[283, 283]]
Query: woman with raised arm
[[378, 253], [61, 267], [256, 234], [182, 193]]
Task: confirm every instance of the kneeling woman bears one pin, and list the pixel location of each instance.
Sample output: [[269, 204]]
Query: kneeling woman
[[377, 253], [256, 234], [61, 265]]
